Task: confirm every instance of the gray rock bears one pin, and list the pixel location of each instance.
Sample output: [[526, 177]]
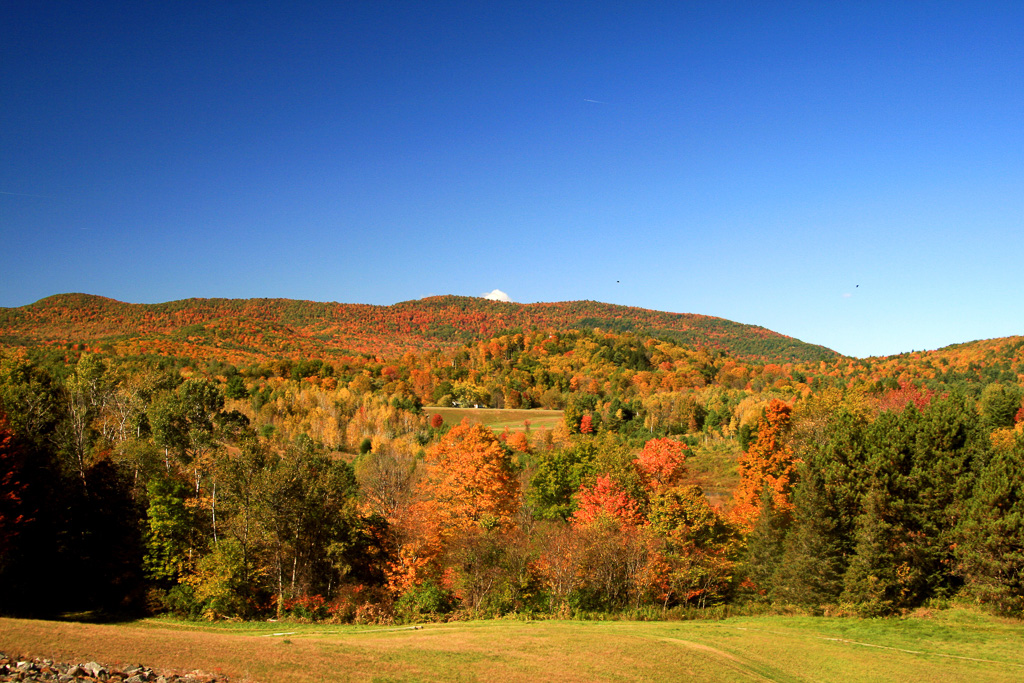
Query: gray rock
[[95, 669]]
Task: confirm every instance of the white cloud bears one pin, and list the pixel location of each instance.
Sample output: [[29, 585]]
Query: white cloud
[[496, 295]]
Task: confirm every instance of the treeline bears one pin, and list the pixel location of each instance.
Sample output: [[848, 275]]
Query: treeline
[[883, 514], [128, 487], [328, 489]]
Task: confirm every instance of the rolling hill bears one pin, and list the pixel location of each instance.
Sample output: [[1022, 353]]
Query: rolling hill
[[241, 330]]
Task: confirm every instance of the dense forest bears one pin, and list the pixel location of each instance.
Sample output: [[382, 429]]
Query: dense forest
[[685, 474], [242, 331]]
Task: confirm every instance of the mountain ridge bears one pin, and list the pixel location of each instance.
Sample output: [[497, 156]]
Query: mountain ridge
[[280, 327]]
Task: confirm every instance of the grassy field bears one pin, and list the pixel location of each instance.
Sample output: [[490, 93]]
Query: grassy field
[[499, 419], [955, 645], [713, 466]]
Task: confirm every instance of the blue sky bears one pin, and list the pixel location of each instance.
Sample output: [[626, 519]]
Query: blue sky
[[850, 174]]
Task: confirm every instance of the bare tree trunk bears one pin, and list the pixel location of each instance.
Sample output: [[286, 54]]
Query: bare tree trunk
[[213, 511], [295, 565], [280, 583]]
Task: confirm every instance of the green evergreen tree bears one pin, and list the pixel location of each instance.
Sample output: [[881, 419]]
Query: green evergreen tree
[[991, 535], [875, 579], [999, 404], [765, 545], [827, 502], [815, 554], [950, 448]]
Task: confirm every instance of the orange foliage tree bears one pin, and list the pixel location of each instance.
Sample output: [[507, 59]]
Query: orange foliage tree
[[470, 481], [768, 462], [470, 487]]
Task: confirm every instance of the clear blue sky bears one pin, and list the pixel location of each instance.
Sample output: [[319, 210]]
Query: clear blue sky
[[851, 174]]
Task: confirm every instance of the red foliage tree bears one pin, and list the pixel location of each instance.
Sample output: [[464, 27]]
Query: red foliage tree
[[607, 501], [11, 514], [907, 393], [662, 462], [586, 424]]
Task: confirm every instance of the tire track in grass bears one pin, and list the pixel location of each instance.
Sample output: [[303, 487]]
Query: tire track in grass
[[745, 668], [735, 663], [847, 641]]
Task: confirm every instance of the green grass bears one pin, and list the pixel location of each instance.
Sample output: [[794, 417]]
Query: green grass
[[953, 645], [499, 419]]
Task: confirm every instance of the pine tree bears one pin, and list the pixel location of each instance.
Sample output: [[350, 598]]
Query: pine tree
[[991, 535], [949, 449], [765, 545], [827, 501], [875, 579], [816, 551]]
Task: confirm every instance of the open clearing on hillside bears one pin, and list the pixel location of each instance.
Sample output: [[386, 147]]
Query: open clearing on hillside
[[957, 645], [498, 419]]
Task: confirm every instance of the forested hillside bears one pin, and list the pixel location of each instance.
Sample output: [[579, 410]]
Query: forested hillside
[[246, 330], [215, 481]]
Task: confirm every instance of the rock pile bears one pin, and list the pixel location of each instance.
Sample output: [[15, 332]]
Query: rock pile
[[15, 669]]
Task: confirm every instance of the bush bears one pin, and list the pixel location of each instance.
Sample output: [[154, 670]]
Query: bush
[[307, 607], [425, 600], [181, 602]]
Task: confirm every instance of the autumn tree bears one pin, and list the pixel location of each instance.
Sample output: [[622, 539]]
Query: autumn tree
[[768, 462], [470, 481], [469, 494], [605, 500], [12, 513], [699, 545], [662, 462], [612, 547], [586, 424], [386, 479]]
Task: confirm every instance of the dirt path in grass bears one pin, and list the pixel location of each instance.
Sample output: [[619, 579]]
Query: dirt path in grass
[[739, 665], [847, 641]]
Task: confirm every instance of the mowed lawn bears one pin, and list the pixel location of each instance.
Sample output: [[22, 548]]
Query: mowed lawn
[[957, 645], [499, 419]]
